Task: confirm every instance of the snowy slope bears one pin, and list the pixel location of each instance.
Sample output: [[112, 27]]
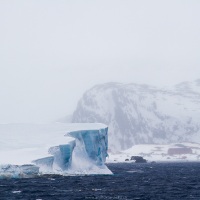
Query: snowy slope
[[158, 153], [141, 114]]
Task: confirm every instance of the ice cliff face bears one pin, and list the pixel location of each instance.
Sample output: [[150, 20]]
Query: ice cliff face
[[94, 144], [86, 154], [27, 150], [141, 114]]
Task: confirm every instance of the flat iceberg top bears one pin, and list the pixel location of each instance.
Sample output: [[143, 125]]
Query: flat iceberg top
[[22, 143]]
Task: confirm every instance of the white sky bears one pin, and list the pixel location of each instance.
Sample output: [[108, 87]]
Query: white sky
[[51, 51]]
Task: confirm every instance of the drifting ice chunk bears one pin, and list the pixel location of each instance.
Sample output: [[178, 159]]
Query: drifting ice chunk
[[15, 171], [45, 164]]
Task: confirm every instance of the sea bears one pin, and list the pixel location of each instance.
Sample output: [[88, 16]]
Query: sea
[[138, 181]]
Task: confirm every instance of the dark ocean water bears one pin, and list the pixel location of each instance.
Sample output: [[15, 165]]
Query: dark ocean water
[[130, 181]]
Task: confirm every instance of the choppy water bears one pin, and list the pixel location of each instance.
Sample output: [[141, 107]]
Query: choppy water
[[130, 181]]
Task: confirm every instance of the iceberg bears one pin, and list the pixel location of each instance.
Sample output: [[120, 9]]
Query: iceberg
[[28, 150]]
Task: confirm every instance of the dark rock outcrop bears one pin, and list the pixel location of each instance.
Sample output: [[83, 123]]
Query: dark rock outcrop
[[138, 159]]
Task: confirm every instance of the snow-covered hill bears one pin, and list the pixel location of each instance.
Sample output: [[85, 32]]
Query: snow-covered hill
[[142, 114]]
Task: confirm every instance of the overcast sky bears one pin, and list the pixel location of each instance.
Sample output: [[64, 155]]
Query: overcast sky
[[51, 51]]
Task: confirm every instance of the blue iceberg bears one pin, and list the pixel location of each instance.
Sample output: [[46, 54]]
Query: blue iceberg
[[63, 149], [85, 154]]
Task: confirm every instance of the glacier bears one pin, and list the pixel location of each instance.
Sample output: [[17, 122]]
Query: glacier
[[28, 150]]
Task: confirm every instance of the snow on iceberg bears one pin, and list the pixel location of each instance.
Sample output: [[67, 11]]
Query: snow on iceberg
[[53, 148]]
